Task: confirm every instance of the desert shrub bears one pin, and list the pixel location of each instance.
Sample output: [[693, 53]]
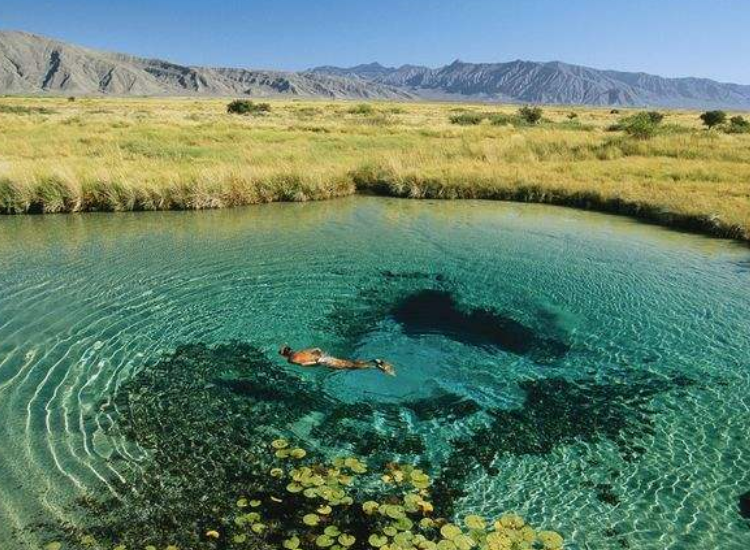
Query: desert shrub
[[247, 107], [308, 111], [614, 112], [72, 99], [468, 119], [531, 115], [655, 116], [643, 125], [713, 118], [501, 119], [362, 109], [738, 125], [22, 110], [572, 116], [640, 128]]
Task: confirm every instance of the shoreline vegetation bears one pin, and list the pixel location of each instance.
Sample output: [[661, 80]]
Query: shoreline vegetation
[[86, 154]]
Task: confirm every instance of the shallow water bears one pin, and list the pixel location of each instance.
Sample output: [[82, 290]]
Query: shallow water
[[605, 362]]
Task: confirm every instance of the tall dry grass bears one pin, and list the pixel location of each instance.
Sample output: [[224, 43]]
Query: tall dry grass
[[149, 154]]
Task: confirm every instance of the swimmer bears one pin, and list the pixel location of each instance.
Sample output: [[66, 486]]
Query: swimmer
[[314, 357]]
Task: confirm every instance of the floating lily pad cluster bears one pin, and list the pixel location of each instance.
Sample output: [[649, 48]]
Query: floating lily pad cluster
[[333, 506]]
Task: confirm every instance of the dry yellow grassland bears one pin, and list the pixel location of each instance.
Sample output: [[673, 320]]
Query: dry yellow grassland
[[58, 155]]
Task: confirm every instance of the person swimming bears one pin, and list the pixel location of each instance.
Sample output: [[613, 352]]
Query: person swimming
[[314, 357]]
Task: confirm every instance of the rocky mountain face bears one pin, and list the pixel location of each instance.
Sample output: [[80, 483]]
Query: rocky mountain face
[[31, 64], [551, 83]]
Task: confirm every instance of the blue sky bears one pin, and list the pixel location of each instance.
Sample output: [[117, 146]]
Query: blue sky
[[670, 37]]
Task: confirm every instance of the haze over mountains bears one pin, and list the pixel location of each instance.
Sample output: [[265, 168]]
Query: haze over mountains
[[32, 64]]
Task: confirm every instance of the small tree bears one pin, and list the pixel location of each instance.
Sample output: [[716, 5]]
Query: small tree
[[713, 118], [531, 115], [247, 107]]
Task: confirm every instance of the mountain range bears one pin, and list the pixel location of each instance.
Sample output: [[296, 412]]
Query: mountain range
[[33, 64]]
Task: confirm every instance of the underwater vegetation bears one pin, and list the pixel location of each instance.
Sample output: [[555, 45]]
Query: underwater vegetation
[[558, 412], [204, 415], [424, 305], [744, 505], [438, 312], [342, 505]]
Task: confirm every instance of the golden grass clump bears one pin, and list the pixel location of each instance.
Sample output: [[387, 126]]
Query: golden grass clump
[[155, 154]]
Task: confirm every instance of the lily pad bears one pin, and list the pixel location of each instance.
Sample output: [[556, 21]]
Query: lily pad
[[450, 531], [475, 522], [376, 541], [311, 519], [298, 453], [332, 531], [291, 543]]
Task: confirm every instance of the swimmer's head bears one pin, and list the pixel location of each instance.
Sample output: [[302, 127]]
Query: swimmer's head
[[385, 367], [286, 351]]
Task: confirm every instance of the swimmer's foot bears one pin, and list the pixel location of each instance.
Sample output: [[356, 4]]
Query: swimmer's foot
[[385, 367]]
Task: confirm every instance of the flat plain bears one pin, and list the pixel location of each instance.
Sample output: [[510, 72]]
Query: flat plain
[[91, 154]]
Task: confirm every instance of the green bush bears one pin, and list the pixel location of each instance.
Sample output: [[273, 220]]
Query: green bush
[[531, 115], [655, 116], [23, 110], [247, 107], [362, 109], [468, 119], [738, 125], [501, 119], [643, 125], [713, 118]]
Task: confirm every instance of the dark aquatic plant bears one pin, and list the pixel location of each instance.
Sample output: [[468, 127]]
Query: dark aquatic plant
[[204, 416], [340, 505]]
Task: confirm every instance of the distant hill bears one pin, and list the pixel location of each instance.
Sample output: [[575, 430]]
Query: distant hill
[[32, 64], [550, 83]]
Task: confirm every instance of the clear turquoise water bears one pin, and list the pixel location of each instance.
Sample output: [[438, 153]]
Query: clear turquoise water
[[87, 301]]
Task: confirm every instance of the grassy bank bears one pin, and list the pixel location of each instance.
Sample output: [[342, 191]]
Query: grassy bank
[[129, 154]]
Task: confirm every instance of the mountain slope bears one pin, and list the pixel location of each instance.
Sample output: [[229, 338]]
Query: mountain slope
[[555, 82], [31, 64]]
